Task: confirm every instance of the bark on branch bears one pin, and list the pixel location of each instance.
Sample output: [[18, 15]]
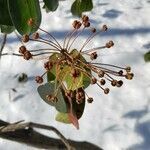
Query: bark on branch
[[26, 133]]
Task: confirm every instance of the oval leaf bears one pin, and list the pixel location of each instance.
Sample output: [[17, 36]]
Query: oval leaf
[[23, 10], [82, 80], [51, 5], [76, 8], [86, 5], [78, 108], [147, 57], [80, 6], [4, 14], [50, 76], [65, 73], [49, 88], [75, 111]]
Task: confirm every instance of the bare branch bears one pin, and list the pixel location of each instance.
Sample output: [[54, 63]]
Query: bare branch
[[24, 133], [18, 125], [3, 43]]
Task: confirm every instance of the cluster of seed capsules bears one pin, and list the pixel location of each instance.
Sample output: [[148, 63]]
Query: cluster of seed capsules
[[100, 73]]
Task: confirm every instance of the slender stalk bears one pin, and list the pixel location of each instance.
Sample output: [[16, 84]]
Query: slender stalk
[[94, 49], [51, 37], [85, 54], [5, 54], [72, 34], [69, 33], [44, 49], [75, 38], [100, 86], [56, 46], [43, 42], [14, 54], [89, 39], [108, 65], [42, 53]]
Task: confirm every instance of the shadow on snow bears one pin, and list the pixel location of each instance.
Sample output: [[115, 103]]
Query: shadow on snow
[[110, 32]]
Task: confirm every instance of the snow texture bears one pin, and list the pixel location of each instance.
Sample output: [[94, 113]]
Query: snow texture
[[118, 121]]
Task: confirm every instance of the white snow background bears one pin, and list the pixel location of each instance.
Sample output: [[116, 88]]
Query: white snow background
[[117, 121]]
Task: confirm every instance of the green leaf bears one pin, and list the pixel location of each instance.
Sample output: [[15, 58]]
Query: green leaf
[[51, 5], [79, 108], [54, 57], [76, 8], [50, 76], [74, 83], [147, 56], [4, 14], [62, 117], [65, 72], [49, 88], [86, 5], [23, 10], [75, 111], [80, 6], [82, 80], [7, 29]]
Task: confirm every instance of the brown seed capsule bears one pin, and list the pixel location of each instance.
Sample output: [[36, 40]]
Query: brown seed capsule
[[109, 44], [30, 22], [54, 99], [85, 18], [69, 93], [102, 82], [22, 49], [39, 79], [114, 82], [93, 55], [81, 93], [35, 35], [93, 30], [25, 38], [129, 76], [119, 83], [86, 24], [90, 100], [106, 91], [120, 72], [49, 97], [48, 65], [93, 80], [104, 28], [78, 25], [128, 69], [80, 96], [27, 55], [101, 73], [75, 73], [75, 23]]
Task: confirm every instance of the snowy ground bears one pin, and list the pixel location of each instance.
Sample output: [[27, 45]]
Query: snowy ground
[[118, 121]]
